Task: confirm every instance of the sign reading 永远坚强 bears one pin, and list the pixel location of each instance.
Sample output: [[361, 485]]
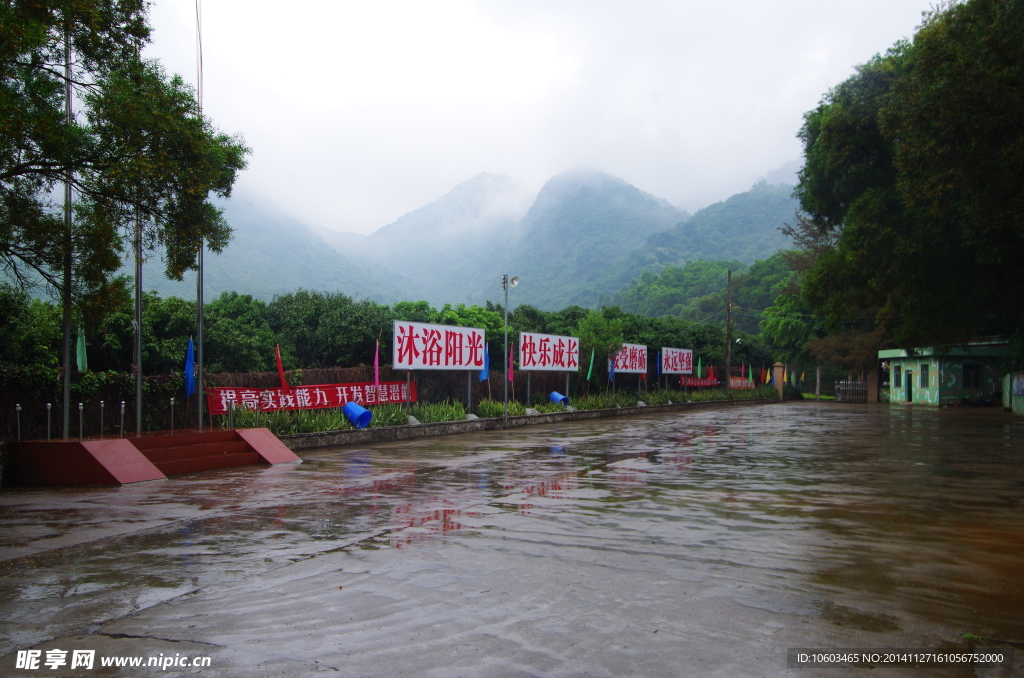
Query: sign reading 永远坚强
[[548, 352], [630, 359], [676, 361], [423, 346]]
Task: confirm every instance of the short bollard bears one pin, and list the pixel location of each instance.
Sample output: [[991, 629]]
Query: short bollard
[[101, 420], [557, 397], [358, 416], [80, 434], [17, 409], [121, 434], [47, 422]]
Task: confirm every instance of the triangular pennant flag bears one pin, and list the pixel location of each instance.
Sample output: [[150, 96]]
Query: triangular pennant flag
[[376, 366], [485, 373], [280, 369], [590, 370], [190, 369], [83, 363]]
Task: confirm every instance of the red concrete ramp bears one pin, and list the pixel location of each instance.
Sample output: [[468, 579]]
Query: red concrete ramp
[[267, 445], [92, 462], [119, 461]]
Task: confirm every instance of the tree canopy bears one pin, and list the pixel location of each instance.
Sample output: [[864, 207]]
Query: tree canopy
[[914, 165], [137, 150]]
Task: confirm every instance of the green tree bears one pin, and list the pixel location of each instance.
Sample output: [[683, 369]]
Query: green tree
[[601, 337], [139, 150], [913, 165]]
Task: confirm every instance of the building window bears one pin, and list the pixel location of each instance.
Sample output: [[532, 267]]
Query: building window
[[924, 376], [972, 376], [897, 377]]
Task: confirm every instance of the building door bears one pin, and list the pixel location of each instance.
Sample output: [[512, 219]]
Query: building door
[[910, 385]]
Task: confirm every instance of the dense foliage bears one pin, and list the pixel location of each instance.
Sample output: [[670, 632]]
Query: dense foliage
[[137, 151], [914, 165]]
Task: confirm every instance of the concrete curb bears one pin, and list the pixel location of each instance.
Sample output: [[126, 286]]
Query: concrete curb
[[306, 441]]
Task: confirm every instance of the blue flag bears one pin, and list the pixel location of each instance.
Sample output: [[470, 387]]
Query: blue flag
[[659, 364], [190, 369], [485, 373], [611, 368]]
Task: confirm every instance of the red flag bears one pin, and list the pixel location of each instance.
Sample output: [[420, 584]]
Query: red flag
[[510, 367], [376, 365], [280, 369]]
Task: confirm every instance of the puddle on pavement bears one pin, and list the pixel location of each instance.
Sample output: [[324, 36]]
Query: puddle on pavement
[[877, 519]]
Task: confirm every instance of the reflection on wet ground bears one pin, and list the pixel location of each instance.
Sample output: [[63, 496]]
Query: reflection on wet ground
[[696, 544]]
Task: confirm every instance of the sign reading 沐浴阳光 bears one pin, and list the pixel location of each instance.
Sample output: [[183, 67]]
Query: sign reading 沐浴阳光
[[630, 359], [548, 352], [676, 361], [424, 346], [309, 397]]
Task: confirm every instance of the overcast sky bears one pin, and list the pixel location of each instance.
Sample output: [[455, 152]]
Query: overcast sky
[[358, 112]]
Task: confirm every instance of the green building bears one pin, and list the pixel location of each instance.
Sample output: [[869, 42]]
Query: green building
[[944, 375]]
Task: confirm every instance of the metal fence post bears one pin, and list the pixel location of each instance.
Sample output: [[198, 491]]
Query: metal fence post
[[81, 435], [47, 422], [101, 420], [121, 435], [172, 416], [17, 409]]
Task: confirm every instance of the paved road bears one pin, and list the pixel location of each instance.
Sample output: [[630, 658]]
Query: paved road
[[696, 544]]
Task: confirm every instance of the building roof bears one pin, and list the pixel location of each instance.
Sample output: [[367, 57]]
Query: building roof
[[979, 347]]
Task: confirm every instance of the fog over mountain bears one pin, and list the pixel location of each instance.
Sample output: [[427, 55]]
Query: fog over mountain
[[577, 241]]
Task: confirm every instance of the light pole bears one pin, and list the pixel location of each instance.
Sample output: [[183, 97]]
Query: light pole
[[506, 283]]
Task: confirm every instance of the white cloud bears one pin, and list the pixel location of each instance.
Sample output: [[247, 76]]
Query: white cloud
[[359, 112]]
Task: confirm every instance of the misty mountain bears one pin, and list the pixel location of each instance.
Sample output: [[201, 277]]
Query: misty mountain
[[578, 241], [744, 227], [436, 252], [273, 253], [582, 222]]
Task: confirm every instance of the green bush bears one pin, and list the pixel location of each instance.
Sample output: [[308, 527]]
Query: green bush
[[496, 408], [429, 413], [391, 414]]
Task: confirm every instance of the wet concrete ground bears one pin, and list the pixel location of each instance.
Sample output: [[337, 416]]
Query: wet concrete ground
[[697, 544]]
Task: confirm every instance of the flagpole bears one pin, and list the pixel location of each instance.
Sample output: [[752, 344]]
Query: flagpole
[[68, 253], [201, 389]]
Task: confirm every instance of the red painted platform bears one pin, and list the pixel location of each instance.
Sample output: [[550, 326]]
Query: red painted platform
[[120, 461]]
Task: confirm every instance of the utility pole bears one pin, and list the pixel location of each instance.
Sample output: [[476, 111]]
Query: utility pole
[[728, 335]]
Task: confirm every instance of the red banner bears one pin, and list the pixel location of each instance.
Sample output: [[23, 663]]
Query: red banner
[[694, 381], [312, 397]]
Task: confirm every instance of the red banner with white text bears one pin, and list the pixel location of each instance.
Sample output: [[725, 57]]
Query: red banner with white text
[[312, 397]]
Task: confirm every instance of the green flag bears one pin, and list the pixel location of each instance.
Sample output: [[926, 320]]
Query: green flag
[[699, 369], [80, 352], [590, 370]]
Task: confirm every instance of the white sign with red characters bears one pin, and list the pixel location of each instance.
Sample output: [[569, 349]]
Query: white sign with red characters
[[421, 346], [548, 352], [630, 359], [676, 361]]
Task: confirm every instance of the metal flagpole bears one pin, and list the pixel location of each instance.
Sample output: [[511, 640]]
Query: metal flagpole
[[138, 327], [504, 286], [201, 390], [68, 253]]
